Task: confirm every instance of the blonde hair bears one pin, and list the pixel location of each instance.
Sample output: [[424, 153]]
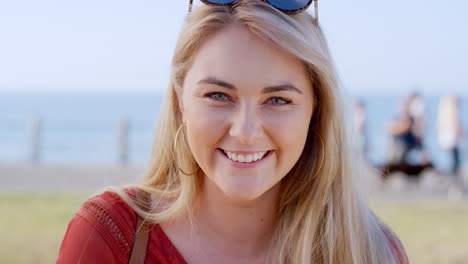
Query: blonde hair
[[322, 219]]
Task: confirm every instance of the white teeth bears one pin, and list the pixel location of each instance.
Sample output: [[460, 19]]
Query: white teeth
[[245, 158], [255, 157]]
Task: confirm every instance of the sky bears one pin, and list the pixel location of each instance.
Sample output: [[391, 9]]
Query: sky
[[125, 47]]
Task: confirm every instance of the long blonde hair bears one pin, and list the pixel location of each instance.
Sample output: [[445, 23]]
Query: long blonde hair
[[322, 219]]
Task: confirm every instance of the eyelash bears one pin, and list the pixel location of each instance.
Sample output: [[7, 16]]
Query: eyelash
[[211, 96]]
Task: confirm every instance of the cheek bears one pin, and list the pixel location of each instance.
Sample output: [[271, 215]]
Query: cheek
[[204, 121], [289, 132], [205, 128]]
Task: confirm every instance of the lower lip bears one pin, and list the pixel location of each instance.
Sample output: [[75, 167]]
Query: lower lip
[[245, 165]]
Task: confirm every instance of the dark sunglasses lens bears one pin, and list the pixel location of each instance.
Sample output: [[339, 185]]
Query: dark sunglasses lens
[[220, 2], [290, 5]]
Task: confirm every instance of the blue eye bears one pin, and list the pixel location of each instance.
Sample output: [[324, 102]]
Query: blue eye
[[217, 96], [278, 101]]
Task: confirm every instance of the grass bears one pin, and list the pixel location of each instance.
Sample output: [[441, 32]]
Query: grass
[[32, 227], [431, 231]]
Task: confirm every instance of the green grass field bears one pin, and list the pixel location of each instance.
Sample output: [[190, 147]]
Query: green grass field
[[431, 231], [32, 226]]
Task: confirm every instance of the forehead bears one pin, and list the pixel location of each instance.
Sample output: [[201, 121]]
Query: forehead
[[236, 54]]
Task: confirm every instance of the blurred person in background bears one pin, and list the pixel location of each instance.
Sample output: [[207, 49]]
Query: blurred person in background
[[407, 134], [403, 138], [416, 111], [449, 133], [252, 162]]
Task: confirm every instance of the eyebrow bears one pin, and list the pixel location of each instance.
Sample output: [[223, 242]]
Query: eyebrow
[[268, 89]]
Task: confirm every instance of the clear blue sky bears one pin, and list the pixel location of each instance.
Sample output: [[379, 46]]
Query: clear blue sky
[[124, 47]]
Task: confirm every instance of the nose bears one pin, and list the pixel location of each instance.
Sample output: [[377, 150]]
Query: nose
[[246, 125]]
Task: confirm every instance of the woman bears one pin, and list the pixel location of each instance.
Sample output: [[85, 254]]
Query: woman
[[449, 129], [402, 131], [251, 163], [449, 133]]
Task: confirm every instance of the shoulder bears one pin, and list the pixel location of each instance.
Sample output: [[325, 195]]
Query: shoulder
[[108, 208], [395, 244], [103, 227]]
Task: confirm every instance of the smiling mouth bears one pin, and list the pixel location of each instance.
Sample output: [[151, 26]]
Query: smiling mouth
[[245, 158]]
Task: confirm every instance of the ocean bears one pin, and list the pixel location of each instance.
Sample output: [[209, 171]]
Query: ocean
[[83, 130]]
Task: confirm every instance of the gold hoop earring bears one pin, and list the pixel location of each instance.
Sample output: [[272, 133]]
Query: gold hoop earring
[[177, 134], [175, 149], [321, 163]]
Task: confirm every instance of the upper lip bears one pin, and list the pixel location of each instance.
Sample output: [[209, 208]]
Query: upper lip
[[244, 152]]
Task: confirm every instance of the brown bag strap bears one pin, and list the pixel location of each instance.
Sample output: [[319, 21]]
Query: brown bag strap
[[140, 241]]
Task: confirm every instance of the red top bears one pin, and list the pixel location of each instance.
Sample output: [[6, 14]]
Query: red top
[[102, 231]]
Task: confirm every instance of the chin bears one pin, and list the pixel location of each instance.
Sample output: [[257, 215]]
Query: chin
[[242, 195], [240, 189]]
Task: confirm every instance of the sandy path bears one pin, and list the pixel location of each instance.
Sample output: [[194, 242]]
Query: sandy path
[[57, 179], [30, 178]]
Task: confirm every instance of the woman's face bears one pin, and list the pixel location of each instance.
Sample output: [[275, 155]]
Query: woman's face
[[248, 106]]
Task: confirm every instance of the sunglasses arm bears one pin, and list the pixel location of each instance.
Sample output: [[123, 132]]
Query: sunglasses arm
[[315, 11], [190, 5]]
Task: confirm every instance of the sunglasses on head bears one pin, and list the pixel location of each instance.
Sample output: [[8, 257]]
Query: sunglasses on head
[[286, 6]]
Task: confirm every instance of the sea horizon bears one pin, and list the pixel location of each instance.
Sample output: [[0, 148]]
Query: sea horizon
[[83, 129]]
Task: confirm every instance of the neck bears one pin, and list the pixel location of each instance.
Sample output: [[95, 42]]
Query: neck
[[242, 229]]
